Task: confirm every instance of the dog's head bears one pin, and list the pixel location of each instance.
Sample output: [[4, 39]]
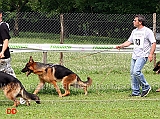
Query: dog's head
[[157, 67], [28, 69]]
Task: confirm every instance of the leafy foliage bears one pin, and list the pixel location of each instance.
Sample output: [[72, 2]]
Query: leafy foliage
[[85, 6]]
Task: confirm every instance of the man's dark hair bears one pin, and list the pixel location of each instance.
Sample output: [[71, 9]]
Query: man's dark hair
[[142, 19], [1, 11]]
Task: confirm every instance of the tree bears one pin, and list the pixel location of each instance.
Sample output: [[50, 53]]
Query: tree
[[16, 6], [82, 6]]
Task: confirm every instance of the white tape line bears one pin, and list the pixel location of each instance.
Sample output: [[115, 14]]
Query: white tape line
[[71, 48]]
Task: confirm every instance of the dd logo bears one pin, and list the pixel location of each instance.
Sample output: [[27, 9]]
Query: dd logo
[[11, 111]]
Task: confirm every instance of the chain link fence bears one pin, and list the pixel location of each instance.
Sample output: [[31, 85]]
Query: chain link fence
[[79, 28]]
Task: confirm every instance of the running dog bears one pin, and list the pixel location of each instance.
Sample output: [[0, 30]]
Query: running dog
[[51, 73], [13, 88], [157, 70]]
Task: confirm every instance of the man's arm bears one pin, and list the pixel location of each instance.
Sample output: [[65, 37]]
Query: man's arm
[[4, 47], [125, 44], [153, 48]]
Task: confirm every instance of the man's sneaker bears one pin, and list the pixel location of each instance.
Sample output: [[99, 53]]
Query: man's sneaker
[[145, 93]]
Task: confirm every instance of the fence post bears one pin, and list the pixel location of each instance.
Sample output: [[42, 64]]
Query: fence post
[[154, 31], [61, 37], [44, 57]]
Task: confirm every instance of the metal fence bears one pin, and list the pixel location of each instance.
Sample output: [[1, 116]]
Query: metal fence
[[78, 28]]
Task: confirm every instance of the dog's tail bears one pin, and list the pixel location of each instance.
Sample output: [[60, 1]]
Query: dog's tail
[[29, 96], [85, 83]]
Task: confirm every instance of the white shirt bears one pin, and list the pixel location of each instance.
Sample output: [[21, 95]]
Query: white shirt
[[142, 40]]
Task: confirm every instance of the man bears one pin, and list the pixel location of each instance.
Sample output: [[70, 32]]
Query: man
[[144, 47], [5, 60]]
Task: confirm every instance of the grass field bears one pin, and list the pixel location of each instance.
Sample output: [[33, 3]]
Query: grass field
[[107, 98]]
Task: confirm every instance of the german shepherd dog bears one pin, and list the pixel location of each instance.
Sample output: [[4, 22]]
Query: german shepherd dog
[[51, 73], [157, 70], [13, 88]]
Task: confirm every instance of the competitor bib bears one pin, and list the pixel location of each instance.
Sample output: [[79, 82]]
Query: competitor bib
[[138, 39]]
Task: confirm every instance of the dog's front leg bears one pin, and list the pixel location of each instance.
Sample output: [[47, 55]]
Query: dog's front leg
[[39, 87], [16, 103], [57, 88]]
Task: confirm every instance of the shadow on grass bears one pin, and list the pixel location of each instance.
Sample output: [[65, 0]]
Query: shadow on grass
[[79, 91], [6, 103], [52, 91]]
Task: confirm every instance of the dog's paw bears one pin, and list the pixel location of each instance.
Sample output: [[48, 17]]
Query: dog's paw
[[60, 96], [158, 90]]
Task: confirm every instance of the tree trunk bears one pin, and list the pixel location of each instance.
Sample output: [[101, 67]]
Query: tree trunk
[[16, 30]]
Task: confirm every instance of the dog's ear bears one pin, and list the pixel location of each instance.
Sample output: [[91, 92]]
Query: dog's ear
[[31, 59]]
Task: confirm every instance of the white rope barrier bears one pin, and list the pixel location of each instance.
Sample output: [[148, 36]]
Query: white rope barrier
[[16, 48]]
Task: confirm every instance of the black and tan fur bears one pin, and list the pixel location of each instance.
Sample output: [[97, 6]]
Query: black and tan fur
[[157, 70], [13, 88], [51, 73]]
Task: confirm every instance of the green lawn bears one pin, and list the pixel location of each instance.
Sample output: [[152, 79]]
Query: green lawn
[[107, 97], [105, 100]]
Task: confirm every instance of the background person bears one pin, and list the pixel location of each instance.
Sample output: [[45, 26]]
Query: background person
[[5, 59]]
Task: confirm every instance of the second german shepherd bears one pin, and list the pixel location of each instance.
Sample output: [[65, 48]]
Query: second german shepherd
[[157, 70], [13, 88], [51, 73]]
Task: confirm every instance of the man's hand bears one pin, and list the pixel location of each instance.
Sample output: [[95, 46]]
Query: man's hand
[[2, 55], [150, 57], [119, 47]]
